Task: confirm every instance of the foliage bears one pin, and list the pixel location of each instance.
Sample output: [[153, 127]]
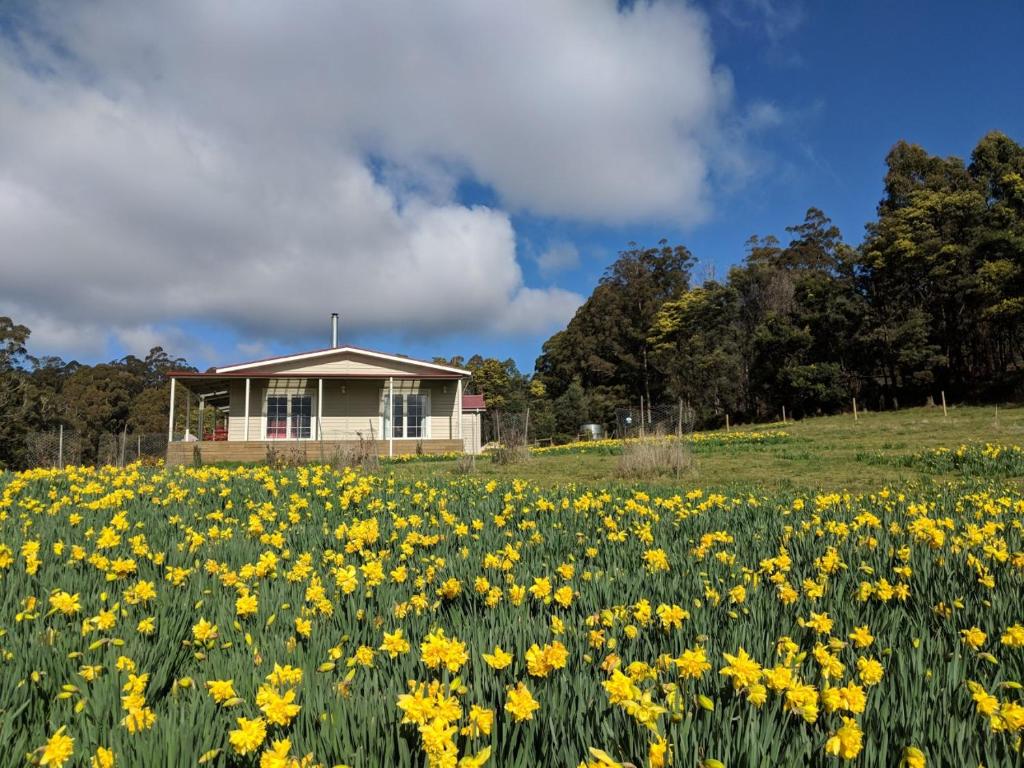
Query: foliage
[[932, 300], [605, 346], [42, 393], [15, 391]]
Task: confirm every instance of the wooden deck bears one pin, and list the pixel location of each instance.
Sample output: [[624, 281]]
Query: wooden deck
[[303, 451]]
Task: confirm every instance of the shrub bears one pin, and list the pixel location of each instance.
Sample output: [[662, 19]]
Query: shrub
[[362, 455], [510, 454], [654, 457], [465, 464]]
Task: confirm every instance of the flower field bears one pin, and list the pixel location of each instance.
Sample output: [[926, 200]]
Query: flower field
[[303, 617], [988, 460], [698, 440]]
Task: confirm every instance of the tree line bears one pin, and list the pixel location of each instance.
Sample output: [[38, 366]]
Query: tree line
[[39, 394], [931, 300]]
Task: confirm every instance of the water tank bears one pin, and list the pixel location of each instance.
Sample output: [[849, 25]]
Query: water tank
[[592, 431]]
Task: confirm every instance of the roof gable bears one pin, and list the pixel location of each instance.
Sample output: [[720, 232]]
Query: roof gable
[[473, 403], [341, 361]]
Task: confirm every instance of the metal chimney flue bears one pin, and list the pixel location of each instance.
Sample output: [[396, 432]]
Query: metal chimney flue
[[334, 330]]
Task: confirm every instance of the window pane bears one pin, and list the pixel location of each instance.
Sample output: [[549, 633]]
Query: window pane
[[396, 417], [277, 417], [416, 414], [302, 412]]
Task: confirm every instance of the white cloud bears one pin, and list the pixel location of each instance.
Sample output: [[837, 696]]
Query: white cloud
[[762, 115], [260, 164], [775, 19], [559, 256], [530, 303], [253, 350]]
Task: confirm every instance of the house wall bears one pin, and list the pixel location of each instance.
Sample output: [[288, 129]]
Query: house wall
[[352, 407], [257, 409]]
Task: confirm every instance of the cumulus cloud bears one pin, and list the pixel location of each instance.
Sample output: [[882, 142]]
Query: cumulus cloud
[[258, 164], [558, 257]]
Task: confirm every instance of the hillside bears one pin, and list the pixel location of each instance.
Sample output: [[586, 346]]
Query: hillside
[[826, 453]]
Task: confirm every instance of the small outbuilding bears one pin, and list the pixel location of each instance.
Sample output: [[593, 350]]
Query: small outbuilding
[[473, 409]]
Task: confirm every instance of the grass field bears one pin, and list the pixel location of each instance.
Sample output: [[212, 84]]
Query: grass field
[[828, 453], [316, 617]]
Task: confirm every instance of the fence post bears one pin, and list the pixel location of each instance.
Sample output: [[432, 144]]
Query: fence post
[[60, 448], [138, 447], [679, 426], [727, 422], [855, 409], [783, 414], [124, 440], [641, 416], [943, 403]]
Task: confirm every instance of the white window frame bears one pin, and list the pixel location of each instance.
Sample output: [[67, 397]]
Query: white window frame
[[383, 421], [288, 418]]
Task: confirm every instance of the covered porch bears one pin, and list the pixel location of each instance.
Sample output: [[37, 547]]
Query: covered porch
[[309, 451], [229, 417]]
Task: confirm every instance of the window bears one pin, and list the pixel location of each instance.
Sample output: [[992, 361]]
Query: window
[[289, 417], [407, 416], [416, 415], [277, 417], [302, 417]]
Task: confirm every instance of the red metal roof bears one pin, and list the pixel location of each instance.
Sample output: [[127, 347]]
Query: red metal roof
[[473, 403]]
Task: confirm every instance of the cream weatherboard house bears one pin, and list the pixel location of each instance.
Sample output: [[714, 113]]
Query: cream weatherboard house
[[319, 403]]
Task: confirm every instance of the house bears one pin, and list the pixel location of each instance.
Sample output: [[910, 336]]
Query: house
[[318, 404]]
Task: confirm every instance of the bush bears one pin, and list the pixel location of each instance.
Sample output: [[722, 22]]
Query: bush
[[362, 455], [465, 464], [510, 454], [654, 457]]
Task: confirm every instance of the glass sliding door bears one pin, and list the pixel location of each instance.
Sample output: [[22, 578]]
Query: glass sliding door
[[415, 415], [405, 417], [289, 418], [301, 417]]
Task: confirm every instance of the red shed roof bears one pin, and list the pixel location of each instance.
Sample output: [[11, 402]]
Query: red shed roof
[[473, 403]]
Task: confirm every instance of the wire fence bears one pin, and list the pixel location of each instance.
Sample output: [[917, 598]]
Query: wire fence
[[65, 447], [655, 420], [59, 448], [125, 448], [511, 428]]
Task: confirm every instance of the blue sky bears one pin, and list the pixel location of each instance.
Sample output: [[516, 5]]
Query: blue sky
[[792, 105], [849, 79]]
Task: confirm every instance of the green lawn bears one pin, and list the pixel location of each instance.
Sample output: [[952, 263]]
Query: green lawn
[[826, 453]]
